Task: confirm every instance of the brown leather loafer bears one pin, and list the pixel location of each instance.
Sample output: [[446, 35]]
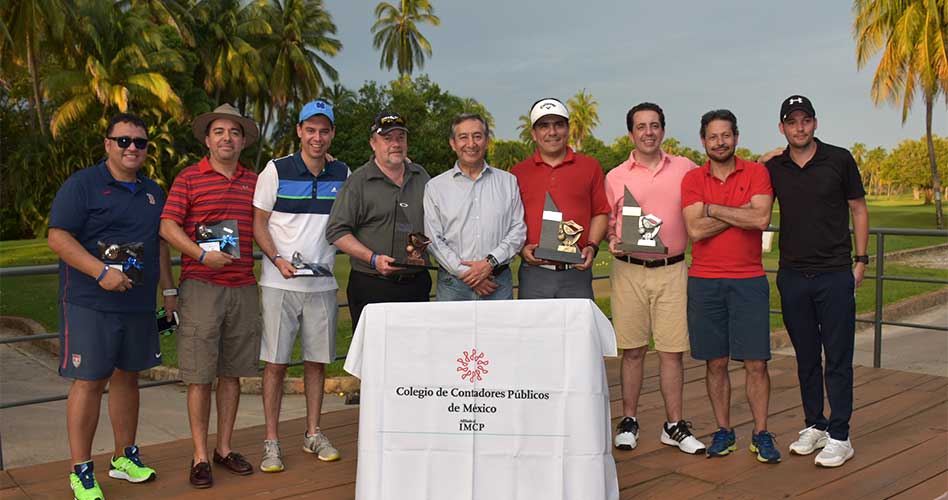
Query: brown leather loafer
[[234, 462], [201, 475]]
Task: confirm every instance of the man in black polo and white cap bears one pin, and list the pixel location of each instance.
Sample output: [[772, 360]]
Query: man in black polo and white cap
[[362, 220], [818, 186]]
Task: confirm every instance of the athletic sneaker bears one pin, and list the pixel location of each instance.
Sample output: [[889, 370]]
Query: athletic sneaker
[[84, 485], [810, 440], [763, 445], [723, 442], [320, 445], [835, 453], [130, 467], [680, 435], [272, 456], [627, 433]]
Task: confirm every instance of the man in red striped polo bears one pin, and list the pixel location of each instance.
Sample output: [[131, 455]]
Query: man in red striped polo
[[209, 218]]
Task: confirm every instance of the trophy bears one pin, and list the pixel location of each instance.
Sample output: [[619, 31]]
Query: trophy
[[308, 269], [125, 257], [221, 236], [558, 237], [642, 230], [408, 246]]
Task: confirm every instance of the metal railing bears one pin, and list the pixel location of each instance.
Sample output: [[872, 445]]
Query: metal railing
[[880, 278]]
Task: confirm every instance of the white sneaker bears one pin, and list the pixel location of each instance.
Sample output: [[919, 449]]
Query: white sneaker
[[680, 435], [810, 440], [627, 434], [835, 453]]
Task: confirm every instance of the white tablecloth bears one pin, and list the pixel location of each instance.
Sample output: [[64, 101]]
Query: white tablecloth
[[533, 424]]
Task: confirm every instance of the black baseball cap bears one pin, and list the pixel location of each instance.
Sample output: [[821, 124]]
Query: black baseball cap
[[796, 103], [387, 121]]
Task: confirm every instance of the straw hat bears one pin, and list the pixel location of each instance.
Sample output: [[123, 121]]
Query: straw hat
[[200, 124]]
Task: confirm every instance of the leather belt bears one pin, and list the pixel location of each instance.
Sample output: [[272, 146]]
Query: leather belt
[[652, 262], [500, 270], [397, 278]]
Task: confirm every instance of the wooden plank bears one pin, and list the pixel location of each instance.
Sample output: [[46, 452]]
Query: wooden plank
[[890, 476], [6, 481], [871, 448], [667, 486], [936, 487], [13, 493]]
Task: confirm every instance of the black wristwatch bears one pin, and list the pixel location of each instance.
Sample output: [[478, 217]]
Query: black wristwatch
[[493, 262], [595, 247], [861, 258]]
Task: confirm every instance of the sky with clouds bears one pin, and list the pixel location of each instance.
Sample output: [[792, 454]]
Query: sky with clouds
[[688, 56]]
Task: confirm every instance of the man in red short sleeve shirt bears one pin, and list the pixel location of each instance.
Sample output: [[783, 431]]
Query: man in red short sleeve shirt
[[576, 184], [219, 305], [727, 204]]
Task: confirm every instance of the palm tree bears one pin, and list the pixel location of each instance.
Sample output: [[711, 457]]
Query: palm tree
[[339, 96], [26, 23], [397, 35], [114, 71], [230, 63], [523, 128], [912, 35], [583, 117]]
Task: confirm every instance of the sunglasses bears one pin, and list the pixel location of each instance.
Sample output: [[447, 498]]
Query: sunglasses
[[126, 141], [388, 120]]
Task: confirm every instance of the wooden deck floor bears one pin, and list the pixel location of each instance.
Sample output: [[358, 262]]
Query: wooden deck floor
[[900, 433]]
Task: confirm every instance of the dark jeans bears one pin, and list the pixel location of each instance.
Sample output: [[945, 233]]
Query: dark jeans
[[365, 289], [819, 310]]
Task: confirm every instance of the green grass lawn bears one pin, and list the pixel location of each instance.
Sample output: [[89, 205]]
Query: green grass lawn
[[35, 296]]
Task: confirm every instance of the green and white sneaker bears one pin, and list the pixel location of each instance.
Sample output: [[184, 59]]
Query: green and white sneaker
[[320, 445], [84, 485], [130, 467]]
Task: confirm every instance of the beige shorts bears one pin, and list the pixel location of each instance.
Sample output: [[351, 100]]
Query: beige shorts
[[650, 302], [219, 334]]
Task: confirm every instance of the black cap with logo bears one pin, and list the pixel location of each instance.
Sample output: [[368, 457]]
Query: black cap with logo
[[796, 103], [387, 121]]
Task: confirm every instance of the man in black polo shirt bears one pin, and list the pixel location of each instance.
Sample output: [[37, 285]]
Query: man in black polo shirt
[[817, 186], [362, 221]]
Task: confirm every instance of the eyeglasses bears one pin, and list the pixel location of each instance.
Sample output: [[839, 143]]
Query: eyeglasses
[[126, 141]]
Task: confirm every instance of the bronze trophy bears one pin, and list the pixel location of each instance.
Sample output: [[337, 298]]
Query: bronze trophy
[[558, 238], [408, 246]]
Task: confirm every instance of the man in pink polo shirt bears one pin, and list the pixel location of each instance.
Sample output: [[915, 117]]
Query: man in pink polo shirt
[[726, 205], [648, 289]]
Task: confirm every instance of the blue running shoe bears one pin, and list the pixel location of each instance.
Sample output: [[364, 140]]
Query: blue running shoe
[[722, 443], [763, 445]]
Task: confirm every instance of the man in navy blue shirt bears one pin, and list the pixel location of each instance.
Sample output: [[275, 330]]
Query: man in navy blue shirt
[[108, 331]]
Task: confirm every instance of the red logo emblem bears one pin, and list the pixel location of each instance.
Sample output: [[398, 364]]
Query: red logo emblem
[[76, 360], [471, 366], [106, 192], [151, 199]]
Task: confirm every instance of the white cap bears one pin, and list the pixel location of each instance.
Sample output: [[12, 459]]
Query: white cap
[[548, 106]]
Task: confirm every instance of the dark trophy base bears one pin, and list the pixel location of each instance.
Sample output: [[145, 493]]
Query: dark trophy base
[[558, 256], [411, 265]]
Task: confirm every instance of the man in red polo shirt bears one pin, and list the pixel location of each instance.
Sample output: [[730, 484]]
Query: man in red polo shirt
[[727, 204], [576, 184], [219, 306]]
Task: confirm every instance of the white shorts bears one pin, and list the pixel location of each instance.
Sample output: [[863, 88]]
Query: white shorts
[[285, 312]]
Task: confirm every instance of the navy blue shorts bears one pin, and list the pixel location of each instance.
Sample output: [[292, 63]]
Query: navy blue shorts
[[93, 343], [729, 317]]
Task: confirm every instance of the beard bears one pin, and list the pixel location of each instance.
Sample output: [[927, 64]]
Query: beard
[[720, 157]]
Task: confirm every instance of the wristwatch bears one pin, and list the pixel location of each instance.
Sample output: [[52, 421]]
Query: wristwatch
[[861, 258], [493, 262], [169, 292]]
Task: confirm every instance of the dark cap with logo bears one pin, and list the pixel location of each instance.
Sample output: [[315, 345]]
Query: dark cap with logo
[[796, 103], [387, 121]]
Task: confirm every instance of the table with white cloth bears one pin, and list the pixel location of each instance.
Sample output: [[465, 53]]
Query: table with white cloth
[[487, 400]]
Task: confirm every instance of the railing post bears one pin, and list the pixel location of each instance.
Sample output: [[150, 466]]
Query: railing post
[[880, 268]]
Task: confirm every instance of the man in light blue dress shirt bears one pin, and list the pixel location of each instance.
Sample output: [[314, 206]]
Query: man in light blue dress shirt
[[474, 218]]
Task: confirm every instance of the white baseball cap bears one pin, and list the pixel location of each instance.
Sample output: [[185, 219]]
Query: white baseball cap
[[548, 106]]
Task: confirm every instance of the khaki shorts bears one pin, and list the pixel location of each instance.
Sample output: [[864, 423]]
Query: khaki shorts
[[219, 334], [650, 301]]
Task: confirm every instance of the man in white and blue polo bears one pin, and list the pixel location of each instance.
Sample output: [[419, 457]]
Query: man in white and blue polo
[[108, 331], [292, 201]]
